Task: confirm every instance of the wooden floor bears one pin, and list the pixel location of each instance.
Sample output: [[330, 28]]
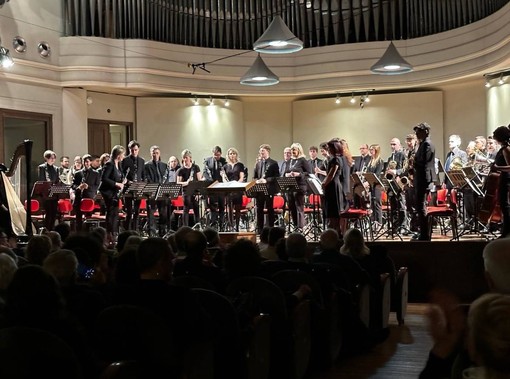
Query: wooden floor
[[403, 355]]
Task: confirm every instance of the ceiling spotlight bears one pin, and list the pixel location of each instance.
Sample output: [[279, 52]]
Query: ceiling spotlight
[[278, 39], [338, 101], [5, 58], [501, 80], [195, 101], [44, 49], [227, 102], [391, 63], [353, 100], [367, 99], [19, 44]]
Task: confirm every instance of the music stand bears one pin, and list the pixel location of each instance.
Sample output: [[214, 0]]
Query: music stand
[[287, 185], [229, 189], [168, 191], [148, 192], [135, 190], [257, 189], [198, 187], [314, 186], [59, 191], [473, 180], [41, 189]]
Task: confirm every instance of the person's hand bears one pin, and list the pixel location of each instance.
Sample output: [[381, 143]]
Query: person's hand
[[446, 322]]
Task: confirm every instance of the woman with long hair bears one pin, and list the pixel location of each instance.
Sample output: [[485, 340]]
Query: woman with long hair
[[376, 166], [234, 171], [188, 172], [299, 168], [332, 185], [112, 183]]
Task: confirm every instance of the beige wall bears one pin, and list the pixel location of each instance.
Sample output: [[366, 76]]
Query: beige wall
[[498, 101]]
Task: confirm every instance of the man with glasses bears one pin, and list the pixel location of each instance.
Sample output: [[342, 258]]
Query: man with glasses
[[361, 161]]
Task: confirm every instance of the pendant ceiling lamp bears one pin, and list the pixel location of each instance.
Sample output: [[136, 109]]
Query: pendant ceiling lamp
[[259, 75], [277, 39], [391, 63]]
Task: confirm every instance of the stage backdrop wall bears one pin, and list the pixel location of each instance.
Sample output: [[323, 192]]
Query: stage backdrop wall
[[385, 117]]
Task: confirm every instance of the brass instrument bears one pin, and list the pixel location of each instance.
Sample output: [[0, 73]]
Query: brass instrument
[[456, 164], [403, 182]]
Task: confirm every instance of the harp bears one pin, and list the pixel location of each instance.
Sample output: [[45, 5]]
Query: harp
[[19, 220]]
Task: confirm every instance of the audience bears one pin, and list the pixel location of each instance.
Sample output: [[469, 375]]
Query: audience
[[38, 248], [275, 234]]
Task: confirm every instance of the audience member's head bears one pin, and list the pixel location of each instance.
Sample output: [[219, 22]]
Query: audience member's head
[[126, 268], [63, 265], [489, 334], [275, 234], [38, 248], [7, 269], [212, 236], [56, 240], [329, 240], [133, 241], [354, 244], [264, 235], [281, 249], [496, 257], [179, 238], [64, 229], [195, 245], [155, 259], [9, 252], [100, 234], [242, 258], [122, 238], [296, 246]]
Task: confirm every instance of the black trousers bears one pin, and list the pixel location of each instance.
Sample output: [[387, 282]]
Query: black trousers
[[112, 214], [132, 207], [50, 213], [264, 201]]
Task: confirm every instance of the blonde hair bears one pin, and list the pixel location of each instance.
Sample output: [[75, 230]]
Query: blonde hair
[[233, 150], [377, 156], [299, 148], [354, 244]]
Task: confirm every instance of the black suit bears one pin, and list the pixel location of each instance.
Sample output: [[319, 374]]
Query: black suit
[[110, 175], [154, 173], [266, 169], [90, 177], [49, 173], [424, 175], [360, 162], [212, 171], [297, 198], [136, 166]]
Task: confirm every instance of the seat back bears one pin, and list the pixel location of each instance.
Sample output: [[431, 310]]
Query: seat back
[[34, 205], [441, 197], [290, 280], [385, 299], [65, 206], [400, 294], [87, 205], [178, 202], [278, 202]]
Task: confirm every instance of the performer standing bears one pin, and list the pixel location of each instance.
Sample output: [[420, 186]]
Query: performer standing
[[361, 161], [112, 184], [265, 171], [213, 167], [234, 170], [154, 173], [64, 169], [424, 177], [135, 164], [47, 172], [314, 161], [299, 168], [85, 184], [188, 172], [376, 166], [502, 162], [332, 185]]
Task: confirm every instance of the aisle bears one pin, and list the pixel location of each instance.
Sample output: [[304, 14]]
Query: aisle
[[402, 355]]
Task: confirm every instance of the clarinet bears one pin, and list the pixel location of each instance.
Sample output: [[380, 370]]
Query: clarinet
[[124, 181]]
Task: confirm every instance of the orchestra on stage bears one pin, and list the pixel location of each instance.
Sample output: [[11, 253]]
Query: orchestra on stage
[[328, 186]]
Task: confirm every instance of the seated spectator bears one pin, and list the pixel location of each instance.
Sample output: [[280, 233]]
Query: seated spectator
[[179, 240], [195, 263], [7, 269], [38, 248], [496, 258], [275, 234], [297, 251], [215, 250], [264, 238], [132, 241], [56, 240], [122, 238], [9, 252], [242, 258], [354, 246], [64, 229]]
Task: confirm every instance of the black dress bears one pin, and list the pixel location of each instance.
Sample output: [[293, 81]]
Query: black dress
[[233, 172], [503, 190], [333, 193]]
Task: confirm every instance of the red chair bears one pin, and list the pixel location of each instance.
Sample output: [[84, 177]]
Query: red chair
[[88, 208], [359, 218], [65, 208], [441, 212], [34, 205]]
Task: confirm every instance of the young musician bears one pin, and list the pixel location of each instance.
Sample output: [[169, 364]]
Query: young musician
[[299, 168], [234, 170], [85, 184], [213, 167], [154, 173], [112, 183], [502, 163], [49, 173], [265, 171], [136, 166], [188, 172], [333, 193], [424, 177], [376, 166]]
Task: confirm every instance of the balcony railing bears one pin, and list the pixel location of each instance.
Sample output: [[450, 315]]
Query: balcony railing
[[236, 24]]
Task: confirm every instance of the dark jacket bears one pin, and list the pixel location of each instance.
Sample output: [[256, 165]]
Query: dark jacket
[[90, 177]]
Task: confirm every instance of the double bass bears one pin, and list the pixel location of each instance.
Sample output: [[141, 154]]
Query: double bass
[[490, 210], [14, 216]]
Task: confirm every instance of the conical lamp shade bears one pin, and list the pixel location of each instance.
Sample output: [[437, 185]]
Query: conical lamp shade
[[277, 39], [391, 63], [259, 75]]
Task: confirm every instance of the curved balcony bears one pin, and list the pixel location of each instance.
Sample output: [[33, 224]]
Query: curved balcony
[[236, 24]]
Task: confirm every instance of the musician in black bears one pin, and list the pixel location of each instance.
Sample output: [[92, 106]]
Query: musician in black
[[213, 167], [234, 171], [314, 160], [189, 172], [264, 172], [171, 177], [299, 168], [112, 184], [502, 163], [424, 177], [85, 185], [362, 160], [155, 173], [47, 172], [136, 173]]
